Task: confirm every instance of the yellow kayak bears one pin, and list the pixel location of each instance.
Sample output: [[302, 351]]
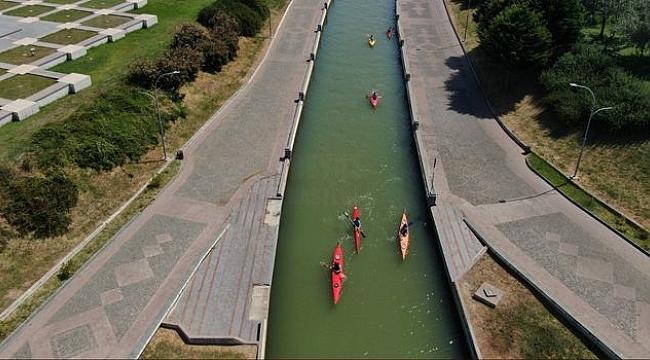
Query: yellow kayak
[[372, 42]]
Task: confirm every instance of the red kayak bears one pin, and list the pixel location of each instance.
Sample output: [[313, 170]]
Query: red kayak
[[374, 99], [356, 222], [389, 33], [337, 273]]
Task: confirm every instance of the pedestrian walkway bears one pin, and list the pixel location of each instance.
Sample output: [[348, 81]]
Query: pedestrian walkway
[[222, 199], [599, 280]]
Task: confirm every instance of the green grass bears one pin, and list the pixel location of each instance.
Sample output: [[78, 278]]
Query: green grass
[[7, 4], [635, 234], [29, 10], [105, 64], [102, 4], [68, 36], [25, 54], [106, 21], [23, 86], [62, 1], [65, 16], [541, 336]]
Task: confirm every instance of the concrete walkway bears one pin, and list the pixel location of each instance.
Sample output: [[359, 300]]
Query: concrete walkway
[[589, 272], [219, 201]]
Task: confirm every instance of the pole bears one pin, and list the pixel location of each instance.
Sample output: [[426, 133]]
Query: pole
[[469, 6], [592, 111], [162, 128]]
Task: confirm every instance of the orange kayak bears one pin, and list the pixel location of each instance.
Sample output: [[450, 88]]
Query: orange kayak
[[404, 235], [356, 222]]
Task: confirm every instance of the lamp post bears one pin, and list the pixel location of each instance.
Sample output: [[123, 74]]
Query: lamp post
[[469, 6], [162, 128], [592, 111]]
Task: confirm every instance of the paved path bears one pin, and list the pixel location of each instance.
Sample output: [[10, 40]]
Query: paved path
[[596, 277], [219, 201]]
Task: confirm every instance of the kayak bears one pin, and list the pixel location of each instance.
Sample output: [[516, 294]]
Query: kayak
[[373, 102], [404, 235], [337, 273], [389, 33], [372, 42], [357, 229]]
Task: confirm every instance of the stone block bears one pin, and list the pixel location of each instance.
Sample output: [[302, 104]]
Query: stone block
[[147, 20], [113, 34], [21, 109], [137, 3], [73, 51], [488, 294], [76, 81], [5, 117]]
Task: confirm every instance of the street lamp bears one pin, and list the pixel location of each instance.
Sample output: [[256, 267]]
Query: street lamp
[[592, 111], [469, 6], [162, 128]]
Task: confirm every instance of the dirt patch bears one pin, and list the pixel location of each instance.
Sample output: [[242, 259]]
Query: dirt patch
[[499, 332], [167, 344]]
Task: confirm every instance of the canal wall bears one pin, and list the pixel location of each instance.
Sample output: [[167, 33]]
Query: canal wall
[[297, 111]]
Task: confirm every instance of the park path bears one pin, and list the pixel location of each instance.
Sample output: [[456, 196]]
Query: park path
[[218, 205]]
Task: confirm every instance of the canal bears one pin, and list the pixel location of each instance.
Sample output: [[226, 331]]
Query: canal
[[347, 153]]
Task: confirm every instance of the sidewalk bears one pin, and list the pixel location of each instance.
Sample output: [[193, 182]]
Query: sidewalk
[[115, 303], [599, 280]]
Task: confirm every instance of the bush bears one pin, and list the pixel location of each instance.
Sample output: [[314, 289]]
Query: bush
[[587, 65], [38, 204], [119, 126], [249, 20], [213, 49]]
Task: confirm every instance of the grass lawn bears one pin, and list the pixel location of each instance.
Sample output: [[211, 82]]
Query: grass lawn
[[103, 4], [29, 10], [25, 54], [68, 36], [62, 2], [106, 21], [23, 86], [65, 16], [7, 4]]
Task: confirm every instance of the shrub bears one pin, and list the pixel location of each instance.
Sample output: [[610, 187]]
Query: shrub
[[249, 21], [39, 204]]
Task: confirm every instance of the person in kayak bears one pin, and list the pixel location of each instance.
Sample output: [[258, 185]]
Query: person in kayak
[[372, 37], [356, 222], [389, 32], [374, 95], [404, 230], [336, 268]]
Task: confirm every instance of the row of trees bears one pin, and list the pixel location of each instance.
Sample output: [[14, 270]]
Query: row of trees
[[37, 195], [547, 38]]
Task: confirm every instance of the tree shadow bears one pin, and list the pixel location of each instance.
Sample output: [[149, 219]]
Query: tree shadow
[[637, 64], [498, 91]]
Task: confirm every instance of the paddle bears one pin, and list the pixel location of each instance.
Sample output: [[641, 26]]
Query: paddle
[[348, 216]]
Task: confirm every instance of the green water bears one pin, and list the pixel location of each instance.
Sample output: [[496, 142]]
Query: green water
[[347, 153]]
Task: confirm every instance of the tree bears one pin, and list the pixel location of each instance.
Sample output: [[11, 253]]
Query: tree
[[634, 23], [612, 86], [564, 21], [518, 37], [38, 204]]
